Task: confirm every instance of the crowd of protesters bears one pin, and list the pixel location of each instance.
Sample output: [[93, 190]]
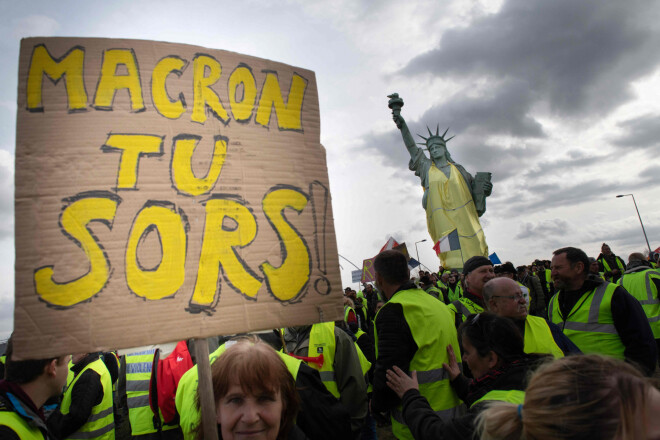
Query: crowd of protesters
[[440, 355]]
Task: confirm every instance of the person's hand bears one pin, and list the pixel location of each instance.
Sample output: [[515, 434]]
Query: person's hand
[[488, 188], [398, 120], [452, 367], [400, 382]]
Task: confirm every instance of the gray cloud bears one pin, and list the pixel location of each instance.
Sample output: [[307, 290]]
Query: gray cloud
[[579, 57], [641, 132], [575, 159], [650, 174], [502, 110], [503, 162], [627, 236], [537, 197], [543, 229]]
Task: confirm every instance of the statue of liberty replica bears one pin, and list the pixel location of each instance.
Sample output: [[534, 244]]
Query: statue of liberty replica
[[453, 199]]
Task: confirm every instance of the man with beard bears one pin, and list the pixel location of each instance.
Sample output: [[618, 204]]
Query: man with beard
[[599, 317]]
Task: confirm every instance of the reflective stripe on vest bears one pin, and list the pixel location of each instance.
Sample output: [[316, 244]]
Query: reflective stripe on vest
[[590, 324], [138, 376], [641, 286], [322, 340], [23, 429], [511, 396], [607, 268], [420, 309], [455, 294], [101, 422], [466, 307], [436, 290], [538, 337]]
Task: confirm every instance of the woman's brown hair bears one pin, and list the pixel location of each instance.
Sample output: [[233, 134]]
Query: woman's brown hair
[[576, 397], [258, 368]]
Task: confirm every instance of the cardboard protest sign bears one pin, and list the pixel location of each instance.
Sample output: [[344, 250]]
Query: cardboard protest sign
[[368, 271], [164, 192]]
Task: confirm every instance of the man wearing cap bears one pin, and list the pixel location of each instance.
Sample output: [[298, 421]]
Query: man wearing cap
[[503, 297], [478, 271], [412, 331]]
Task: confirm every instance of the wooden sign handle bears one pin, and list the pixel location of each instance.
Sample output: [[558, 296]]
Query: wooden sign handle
[[205, 389]]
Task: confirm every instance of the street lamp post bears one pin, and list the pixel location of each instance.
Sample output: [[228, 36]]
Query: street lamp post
[[417, 250], [640, 220]]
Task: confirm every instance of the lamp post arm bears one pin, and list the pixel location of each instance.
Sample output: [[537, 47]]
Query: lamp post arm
[[349, 261], [640, 222]]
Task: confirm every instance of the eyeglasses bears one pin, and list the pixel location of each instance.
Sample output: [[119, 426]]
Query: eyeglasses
[[517, 297]]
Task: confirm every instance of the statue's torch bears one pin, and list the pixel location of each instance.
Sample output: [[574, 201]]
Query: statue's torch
[[395, 103]]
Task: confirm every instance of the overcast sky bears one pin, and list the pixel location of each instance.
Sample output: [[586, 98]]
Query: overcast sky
[[559, 99]]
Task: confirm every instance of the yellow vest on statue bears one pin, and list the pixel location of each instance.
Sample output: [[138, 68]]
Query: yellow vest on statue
[[449, 206]]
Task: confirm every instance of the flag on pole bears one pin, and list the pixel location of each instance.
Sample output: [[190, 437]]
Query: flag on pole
[[391, 243], [494, 258], [449, 242], [412, 263]]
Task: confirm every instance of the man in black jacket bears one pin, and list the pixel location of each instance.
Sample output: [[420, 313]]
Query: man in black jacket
[[405, 340], [610, 263], [90, 391]]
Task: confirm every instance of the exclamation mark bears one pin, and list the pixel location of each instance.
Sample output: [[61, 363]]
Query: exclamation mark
[[319, 195]]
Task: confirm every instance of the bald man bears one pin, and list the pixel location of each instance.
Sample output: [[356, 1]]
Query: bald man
[[504, 297]]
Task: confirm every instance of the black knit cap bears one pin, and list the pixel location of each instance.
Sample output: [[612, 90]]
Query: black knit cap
[[474, 263]]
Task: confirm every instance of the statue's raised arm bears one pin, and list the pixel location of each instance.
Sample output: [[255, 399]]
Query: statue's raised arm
[[395, 103], [453, 199]]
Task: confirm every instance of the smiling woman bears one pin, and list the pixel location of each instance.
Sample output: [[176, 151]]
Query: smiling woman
[[254, 392]]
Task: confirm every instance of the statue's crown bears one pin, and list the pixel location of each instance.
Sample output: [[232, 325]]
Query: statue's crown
[[427, 140]]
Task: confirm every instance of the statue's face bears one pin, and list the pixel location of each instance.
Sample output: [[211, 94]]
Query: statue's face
[[437, 149]]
